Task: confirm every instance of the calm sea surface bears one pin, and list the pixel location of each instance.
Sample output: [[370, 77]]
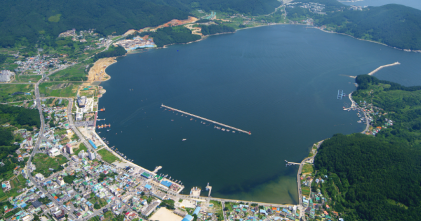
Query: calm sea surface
[[279, 82], [411, 3]]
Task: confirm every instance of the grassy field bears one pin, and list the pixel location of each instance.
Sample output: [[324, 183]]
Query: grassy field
[[43, 162], [107, 156], [306, 190], [6, 91], [74, 73], [58, 89], [17, 183], [307, 168], [101, 201], [81, 147], [28, 78]]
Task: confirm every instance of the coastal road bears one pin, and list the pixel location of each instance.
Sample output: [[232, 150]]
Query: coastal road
[[299, 182]]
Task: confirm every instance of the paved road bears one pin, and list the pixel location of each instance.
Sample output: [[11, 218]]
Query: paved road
[[299, 182]]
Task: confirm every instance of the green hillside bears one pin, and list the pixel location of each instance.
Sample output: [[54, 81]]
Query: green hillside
[[376, 178], [24, 21], [395, 25]]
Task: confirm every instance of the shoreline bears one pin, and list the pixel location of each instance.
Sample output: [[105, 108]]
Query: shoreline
[[405, 50], [202, 38]]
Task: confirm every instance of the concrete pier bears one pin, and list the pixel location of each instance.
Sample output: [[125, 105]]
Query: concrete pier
[[211, 121], [379, 68]]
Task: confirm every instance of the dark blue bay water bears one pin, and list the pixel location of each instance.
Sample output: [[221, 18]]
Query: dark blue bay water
[[279, 82]]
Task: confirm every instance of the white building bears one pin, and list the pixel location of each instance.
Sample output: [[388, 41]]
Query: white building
[[82, 154], [53, 152], [39, 177], [60, 181], [91, 155]]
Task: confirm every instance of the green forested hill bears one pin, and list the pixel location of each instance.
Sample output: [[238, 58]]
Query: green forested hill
[[24, 21], [249, 7], [370, 179], [30, 18], [377, 178], [395, 25]]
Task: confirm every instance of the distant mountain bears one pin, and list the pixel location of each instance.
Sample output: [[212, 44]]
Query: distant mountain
[[24, 21], [395, 25]]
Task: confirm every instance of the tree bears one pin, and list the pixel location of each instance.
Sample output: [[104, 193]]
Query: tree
[[36, 218]]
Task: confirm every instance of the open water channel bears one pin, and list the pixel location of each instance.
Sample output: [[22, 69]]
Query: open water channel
[[279, 82]]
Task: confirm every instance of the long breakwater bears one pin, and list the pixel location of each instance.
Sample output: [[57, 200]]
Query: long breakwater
[[205, 119], [379, 68]]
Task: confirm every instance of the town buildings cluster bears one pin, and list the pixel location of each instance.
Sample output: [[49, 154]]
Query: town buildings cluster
[[136, 43]]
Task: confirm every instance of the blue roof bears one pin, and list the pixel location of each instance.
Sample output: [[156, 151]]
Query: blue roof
[[166, 183], [147, 186], [187, 218], [92, 143], [197, 209]]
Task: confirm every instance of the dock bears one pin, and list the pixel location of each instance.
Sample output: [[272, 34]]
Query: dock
[[291, 163], [205, 119], [340, 95], [379, 68]]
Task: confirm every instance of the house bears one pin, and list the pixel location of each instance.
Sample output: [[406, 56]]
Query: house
[[6, 186]]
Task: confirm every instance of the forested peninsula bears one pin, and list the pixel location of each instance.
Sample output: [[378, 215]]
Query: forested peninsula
[[376, 177], [394, 25]]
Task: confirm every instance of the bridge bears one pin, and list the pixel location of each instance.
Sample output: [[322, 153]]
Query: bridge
[[211, 121]]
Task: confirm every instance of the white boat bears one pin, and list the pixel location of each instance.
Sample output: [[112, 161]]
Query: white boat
[[223, 129], [184, 139]]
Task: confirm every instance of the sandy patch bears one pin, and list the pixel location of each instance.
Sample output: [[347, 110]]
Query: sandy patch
[[195, 30], [188, 204], [163, 214], [129, 32], [97, 72]]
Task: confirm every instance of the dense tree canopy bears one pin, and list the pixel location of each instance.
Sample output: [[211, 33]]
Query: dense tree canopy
[[214, 29], [371, 179], [26, 20], [172, 35], [19, 116], [111, 52]]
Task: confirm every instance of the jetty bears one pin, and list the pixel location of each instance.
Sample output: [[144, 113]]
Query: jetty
[[205, 119], [291, 163], [379, 68]]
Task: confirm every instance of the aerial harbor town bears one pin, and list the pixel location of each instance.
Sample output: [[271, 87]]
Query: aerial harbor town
[[64, 171]]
